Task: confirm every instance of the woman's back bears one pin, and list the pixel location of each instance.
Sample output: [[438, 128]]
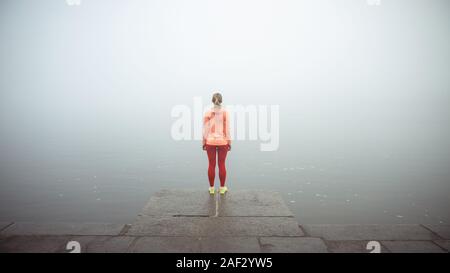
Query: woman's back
[[216, 128]]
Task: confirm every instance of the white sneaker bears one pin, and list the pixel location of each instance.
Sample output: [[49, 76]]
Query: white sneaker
[[223, 190]]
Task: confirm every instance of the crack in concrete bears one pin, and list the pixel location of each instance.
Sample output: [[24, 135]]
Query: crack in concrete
[[217, 207], [432, 232], [125, 229], [7, 226]]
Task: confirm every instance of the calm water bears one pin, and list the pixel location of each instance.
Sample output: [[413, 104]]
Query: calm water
[[320, 184]]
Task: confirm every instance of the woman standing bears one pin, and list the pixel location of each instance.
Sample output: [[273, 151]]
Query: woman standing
[[216, 141]]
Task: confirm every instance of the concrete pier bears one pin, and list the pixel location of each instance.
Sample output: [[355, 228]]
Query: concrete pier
[[238, 222]]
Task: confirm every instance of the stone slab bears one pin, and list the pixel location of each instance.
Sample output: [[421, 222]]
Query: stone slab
[[351, 247], [3, 225], [230, 245], [293, 245], [442, 230], [34, 244], [252, 203], [215, 226], [180, 203], [444, 244], [28, 228], [166, 245], [412, 247], [368, 232], [104, 244]]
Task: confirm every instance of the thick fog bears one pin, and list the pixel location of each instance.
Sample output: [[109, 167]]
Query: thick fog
[[87, 92]]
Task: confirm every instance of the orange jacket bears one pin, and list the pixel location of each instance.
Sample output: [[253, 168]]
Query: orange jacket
[[216, 127]]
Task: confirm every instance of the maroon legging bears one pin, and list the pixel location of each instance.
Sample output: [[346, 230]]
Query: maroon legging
[[221, 155]]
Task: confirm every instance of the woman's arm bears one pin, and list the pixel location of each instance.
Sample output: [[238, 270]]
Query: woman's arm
[[227, 129], [205, 130]]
